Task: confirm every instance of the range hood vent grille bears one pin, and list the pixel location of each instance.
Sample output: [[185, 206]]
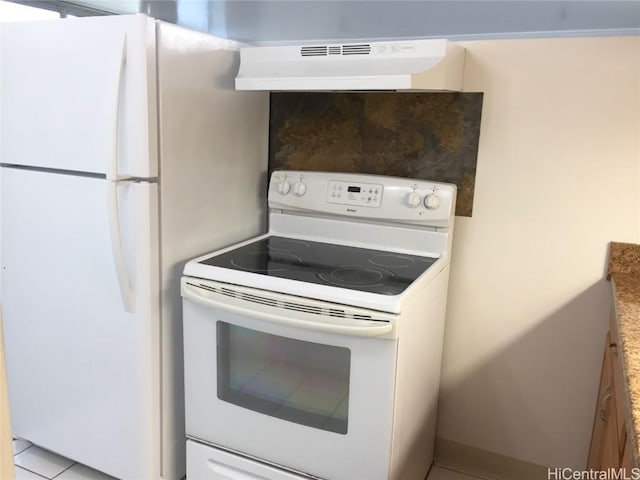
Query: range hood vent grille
[[324, 50], [363, 49], [428, 64], [313, 51]]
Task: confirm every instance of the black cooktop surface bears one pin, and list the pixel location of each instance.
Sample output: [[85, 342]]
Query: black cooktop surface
[[355, 268]]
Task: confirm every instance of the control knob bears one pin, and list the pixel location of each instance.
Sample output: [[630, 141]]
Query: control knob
[[284, 186], [413, 199], [432, 201], [299, 189]]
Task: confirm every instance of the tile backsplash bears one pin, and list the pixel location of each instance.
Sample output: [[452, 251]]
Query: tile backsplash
[[431, 136]]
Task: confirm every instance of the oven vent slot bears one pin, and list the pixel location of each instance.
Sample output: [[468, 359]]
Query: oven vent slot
[[302, 308], [229, 292], [297, 307], [257, 299]]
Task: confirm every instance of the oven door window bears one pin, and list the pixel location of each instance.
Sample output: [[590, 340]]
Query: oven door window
[[294, 380]]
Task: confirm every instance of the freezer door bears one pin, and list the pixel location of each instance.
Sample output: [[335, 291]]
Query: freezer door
[[83, 373], [79, 94]]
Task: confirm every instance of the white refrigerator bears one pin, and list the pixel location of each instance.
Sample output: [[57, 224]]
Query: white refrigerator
[[125, 151]]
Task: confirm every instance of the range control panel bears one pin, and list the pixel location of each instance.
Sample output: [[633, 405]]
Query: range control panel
[[374, 197], [355, 193]]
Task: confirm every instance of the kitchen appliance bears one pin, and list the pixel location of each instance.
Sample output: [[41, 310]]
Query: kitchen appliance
[[315, 349], [124, 149], [434, 64]]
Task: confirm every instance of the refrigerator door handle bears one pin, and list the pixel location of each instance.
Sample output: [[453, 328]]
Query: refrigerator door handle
[[126, 290], [113, 181], [112, 166]]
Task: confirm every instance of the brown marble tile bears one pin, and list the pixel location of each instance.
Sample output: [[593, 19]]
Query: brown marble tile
[[431, 136], [623, 258]]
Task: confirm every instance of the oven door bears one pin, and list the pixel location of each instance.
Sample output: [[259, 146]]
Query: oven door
[[304, 384]]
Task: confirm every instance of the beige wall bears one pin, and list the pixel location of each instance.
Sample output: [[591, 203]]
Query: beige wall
[[6, 444], [558, 177]]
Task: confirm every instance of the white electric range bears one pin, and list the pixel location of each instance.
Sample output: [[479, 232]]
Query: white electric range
[[314, 350]]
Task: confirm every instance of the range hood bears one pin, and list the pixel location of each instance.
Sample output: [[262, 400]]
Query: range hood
[[399, 65]]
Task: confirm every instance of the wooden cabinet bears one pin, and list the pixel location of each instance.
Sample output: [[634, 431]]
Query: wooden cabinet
[[627, 455], [605, 451], [610, 446]]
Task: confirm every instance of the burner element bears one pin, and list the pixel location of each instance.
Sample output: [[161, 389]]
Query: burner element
[[260, 261], [357, 276], [391, 260], [286, 244]]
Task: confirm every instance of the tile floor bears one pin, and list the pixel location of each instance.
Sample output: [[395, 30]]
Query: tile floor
[[35, 463]]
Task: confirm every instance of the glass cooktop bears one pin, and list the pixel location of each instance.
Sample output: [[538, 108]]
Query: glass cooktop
[[355, 268]]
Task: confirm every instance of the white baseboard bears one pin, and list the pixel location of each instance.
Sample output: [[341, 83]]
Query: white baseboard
[[484, 464]]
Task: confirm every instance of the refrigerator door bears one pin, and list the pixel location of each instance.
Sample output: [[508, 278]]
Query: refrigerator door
[[79, 95], [83, 372]]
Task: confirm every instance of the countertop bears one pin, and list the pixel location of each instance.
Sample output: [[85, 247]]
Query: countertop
[[624, 273]]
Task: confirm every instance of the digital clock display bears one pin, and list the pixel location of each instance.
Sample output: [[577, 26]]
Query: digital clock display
[[354, 189]]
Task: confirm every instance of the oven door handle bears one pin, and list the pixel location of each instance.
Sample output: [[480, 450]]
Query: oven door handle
[[358, 328]]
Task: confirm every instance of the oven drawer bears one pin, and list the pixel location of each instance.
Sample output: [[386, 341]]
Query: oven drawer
[[207, 463]]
